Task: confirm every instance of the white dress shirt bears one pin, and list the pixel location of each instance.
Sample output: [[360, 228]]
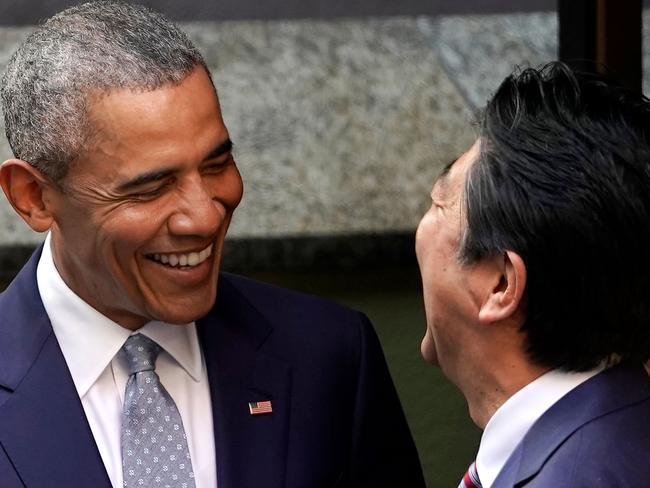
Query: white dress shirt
[[91, 345], [516, 416]]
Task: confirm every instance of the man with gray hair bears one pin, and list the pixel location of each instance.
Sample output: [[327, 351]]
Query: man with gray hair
[[120, 364]]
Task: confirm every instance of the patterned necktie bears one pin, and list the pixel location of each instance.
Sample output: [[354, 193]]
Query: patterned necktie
[[154, 445], [470, 480]]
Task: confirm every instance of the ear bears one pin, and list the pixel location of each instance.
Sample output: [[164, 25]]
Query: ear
[[24, 187], [506, 296]]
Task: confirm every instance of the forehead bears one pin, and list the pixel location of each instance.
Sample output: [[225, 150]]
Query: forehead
[[135, 130], [150, 108]]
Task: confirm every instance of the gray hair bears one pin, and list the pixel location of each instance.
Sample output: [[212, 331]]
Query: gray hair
[[85, 51]]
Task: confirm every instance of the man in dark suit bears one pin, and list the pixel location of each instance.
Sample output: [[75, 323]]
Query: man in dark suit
[[535, 262], [126, 358]]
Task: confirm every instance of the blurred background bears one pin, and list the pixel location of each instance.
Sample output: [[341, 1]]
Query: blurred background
[[342, 113]]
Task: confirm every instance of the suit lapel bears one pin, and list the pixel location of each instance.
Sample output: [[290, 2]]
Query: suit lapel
[[251, 449], [606, 392], [43, 428]]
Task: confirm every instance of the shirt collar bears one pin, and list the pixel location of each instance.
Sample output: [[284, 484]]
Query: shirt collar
[[181, 342], [516, 416], [89, 340]]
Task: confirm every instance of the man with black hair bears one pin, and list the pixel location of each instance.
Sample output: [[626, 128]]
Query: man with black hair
[[535, 262]]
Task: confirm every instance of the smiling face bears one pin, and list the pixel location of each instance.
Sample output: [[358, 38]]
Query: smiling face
[[139, 227], [448, 285]]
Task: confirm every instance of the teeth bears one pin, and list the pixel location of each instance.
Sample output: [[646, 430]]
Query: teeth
[[189, 259], [193, 259]]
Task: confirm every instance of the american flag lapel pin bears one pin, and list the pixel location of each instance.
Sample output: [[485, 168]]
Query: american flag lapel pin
[[259, 408]]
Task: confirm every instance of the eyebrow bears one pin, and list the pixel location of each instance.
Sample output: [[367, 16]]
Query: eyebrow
[[223, 148], [160, 174]]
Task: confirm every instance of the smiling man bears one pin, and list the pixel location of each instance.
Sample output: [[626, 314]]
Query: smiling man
[[535, 262], [126, 357]]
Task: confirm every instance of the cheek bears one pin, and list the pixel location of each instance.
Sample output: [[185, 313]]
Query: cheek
[[130, 230], [139, 220]]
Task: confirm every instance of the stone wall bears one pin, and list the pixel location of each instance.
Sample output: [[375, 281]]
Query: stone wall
[[341, 125]]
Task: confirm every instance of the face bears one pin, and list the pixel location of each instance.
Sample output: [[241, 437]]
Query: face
[[139, 225], [446, 283]]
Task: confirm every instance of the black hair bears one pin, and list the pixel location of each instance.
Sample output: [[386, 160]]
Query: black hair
[[563, 180]]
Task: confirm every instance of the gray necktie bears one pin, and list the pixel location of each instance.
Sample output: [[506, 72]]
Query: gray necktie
[[154, 445]]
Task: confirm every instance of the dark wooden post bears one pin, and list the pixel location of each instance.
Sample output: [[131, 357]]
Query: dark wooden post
[[603, 36]]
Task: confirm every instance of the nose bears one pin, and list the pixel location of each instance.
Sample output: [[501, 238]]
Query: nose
[[197, 212]]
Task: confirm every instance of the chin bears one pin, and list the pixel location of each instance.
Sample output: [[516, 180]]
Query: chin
[[428, 350], [183, 313], [186, 315], [188, 307]]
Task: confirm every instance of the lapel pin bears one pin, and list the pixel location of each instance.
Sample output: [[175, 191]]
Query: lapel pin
[[259, 408]]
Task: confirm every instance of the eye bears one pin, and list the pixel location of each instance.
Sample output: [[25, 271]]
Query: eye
[[436, 205], [218, 166], [151, 193], [214, 167]]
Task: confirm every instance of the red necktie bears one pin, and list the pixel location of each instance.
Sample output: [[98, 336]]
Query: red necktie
[[470, 480]]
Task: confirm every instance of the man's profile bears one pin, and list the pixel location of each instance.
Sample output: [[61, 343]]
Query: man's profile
[[126, 357], [535, 262]]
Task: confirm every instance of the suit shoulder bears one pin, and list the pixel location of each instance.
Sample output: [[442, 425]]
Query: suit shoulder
[[610, 450], [625, 430]]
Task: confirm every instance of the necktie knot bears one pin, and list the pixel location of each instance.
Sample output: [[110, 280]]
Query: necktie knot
[[141, 353]]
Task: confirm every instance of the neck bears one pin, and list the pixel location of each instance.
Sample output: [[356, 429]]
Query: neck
[[490, 383]]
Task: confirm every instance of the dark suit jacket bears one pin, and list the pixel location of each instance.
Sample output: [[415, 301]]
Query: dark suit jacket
[[597, 436], [336, 419]]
